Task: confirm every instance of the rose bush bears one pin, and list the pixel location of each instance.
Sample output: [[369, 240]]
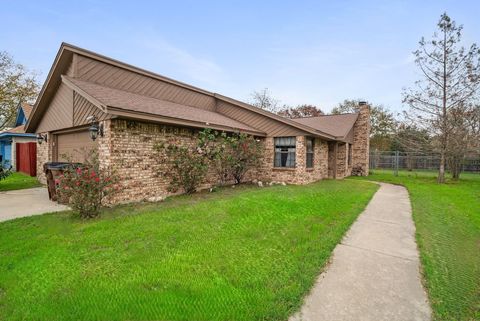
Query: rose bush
[[85, 187]]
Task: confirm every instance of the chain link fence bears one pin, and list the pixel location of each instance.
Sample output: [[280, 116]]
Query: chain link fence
[[413, 161]]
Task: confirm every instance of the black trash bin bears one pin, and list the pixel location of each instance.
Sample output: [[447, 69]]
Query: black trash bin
[[52, 170]]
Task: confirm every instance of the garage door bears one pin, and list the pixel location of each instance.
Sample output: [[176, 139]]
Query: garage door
[[75, 146]]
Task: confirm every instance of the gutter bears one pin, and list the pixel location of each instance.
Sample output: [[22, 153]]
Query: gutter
[[120, 112]]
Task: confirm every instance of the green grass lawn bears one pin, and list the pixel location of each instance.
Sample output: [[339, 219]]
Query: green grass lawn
[[447, 218], [18, 181], [237, 254]]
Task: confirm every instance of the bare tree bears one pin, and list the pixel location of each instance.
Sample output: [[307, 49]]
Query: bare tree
[[264, 100], [450, 78], [300, 111], [457, 142], [17, 85], [473, 123]]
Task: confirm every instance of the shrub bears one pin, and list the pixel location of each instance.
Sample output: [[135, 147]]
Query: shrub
[[4, 173], [216, 150], [85, 187], [188, 166], [245, 154], [231, 155], [358, 170]]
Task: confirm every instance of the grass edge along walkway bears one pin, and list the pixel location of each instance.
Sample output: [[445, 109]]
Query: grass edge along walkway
[[241, 253], [447, 219]]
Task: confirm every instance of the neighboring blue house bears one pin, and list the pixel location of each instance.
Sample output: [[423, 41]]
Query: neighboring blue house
[[9, 137]]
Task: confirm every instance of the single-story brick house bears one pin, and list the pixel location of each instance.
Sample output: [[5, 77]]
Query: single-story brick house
[[137, 108]]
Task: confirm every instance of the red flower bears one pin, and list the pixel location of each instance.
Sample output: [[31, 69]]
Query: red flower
[[97, 179], [79, 170], [77, 183], [57, 181], [93, 174]]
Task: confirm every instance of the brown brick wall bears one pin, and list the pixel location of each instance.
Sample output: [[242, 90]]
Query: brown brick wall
[[128, 148], [299, 174], [44, 154], [341, 160], [361, 139]]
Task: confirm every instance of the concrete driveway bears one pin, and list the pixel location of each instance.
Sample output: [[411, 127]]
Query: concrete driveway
[[26, 202]]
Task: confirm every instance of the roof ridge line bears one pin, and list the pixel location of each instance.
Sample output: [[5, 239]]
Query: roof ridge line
[[148, 73]]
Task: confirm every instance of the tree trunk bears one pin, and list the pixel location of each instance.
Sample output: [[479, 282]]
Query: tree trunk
[[441, 170], [456, 166]]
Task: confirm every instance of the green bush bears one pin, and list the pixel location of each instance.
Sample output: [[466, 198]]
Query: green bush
[[85, 187], [188, 166], [4, 173], [231, 156]]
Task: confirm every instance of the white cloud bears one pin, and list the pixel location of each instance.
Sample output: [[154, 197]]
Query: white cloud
[[196, 68]]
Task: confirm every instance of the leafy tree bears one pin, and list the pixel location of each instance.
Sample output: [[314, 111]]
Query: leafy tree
[[17, 85], [301, 111], [450, 79], [382, 121], [410, 138], [264, 100]]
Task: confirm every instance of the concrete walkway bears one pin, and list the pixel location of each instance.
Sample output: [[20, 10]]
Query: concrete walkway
[[26, 202], [374, 272]]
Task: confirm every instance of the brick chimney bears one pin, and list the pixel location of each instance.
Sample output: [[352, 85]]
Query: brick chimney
[[361, 141]]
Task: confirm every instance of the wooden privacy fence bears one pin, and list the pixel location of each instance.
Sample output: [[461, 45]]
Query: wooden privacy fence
[[26, 161]]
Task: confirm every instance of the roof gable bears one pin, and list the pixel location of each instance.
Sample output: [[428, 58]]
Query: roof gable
[[20, 119], [119, 102], [139, 82]]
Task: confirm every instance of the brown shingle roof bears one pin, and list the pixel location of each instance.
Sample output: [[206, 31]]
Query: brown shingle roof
[[336, 125], [64, 58], [128, 101], [27, 110], [16, 130]]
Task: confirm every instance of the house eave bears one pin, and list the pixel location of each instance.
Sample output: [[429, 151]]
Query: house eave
[[135, 115], [281, 119], [5, 135]]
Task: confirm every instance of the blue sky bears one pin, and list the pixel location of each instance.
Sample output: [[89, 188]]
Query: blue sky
[[315, 52]]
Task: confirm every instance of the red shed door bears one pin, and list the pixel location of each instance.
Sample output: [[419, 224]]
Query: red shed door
[[26, 160]]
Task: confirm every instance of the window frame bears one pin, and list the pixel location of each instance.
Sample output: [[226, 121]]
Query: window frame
[[283, 146], [310, 153], [349, 154]]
